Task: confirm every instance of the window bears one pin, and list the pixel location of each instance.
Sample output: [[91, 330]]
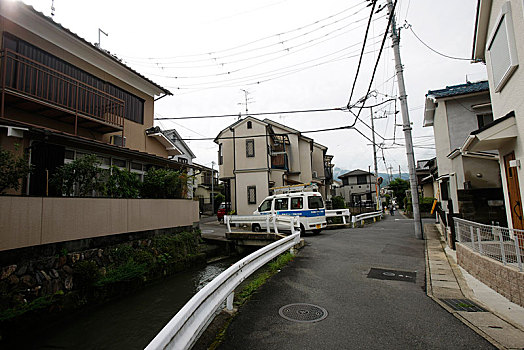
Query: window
[[251, 194], [249, 125], [119, 163], [182, 160], [315, 202], [250, 148], [265, 206], [484, 119], [444, 190], [281, 204], [345, 181], [297, 203], [220, 156], [502, 48], [362, 179]]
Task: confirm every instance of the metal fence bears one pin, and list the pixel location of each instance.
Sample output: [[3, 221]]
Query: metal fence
[[499, 243], [362, 217]]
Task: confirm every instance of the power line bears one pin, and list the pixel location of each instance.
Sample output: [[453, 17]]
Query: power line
[[256, 114], [410, 27]]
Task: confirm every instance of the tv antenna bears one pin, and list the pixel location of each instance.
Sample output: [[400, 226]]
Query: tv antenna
[[100, 31]]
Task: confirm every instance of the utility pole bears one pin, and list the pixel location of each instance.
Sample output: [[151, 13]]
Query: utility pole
[[377, 196], [213, 187], [399, 172], [406, 123]]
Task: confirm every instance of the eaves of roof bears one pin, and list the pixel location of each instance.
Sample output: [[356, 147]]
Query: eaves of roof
[[461, 89]]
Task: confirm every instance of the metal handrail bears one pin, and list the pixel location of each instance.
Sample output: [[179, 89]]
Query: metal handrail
[[184, 329], [343, 213], [267, 220], [50, 85]]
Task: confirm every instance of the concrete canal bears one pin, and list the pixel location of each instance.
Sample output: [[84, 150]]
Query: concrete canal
[[130, 322]]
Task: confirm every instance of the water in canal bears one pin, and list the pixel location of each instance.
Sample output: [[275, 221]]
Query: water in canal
[[132, 321]]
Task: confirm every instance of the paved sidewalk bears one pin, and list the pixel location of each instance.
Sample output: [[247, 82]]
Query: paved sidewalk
[[500, 325]]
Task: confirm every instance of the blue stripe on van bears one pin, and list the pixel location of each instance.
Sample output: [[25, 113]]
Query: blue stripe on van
[[305, 213]]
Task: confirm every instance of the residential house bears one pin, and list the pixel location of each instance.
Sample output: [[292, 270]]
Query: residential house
[[469, 182], [186, 157], [205, 188], [425, 172], [358, 188], [62, 97], [499, 43], [255, 155]]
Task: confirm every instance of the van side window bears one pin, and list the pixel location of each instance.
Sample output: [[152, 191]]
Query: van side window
[[315, 202], [297, 203], [266, 205], [281, 204]]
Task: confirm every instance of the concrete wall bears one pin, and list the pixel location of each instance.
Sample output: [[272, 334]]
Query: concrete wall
[[260, 160], [258, 179], [318, 161], [30, 221], [505, 280], [462, 119]]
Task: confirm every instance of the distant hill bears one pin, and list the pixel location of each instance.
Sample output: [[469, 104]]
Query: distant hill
[[339, 171]]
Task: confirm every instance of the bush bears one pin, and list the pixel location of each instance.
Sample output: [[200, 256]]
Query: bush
[[338, 202], [121, 183], [424, 204], [81, 177], [12, 169], [86, 273], [164, 183]]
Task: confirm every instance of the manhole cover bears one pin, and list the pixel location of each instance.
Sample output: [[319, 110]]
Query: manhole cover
[[303, 313], [463, 305], [382, 274]]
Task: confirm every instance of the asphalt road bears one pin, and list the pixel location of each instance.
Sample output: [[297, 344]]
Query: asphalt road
[[363, 313]]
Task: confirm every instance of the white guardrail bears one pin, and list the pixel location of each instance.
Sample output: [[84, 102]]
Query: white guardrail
[[269, 221], [186, 326], [365, 216], [344, 213]]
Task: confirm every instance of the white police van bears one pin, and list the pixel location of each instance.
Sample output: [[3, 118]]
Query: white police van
[[295, 201]]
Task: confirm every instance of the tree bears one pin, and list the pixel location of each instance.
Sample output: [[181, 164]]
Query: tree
[[338, 202], [81, 177], [12, 169], [399, 188], [164, 183]]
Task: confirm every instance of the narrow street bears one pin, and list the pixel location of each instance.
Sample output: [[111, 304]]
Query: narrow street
[[367, 313]]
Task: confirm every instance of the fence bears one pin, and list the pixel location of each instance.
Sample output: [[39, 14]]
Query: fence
[[363, 217], [499, 243], [343, 213], [267, 221], [186, 326]]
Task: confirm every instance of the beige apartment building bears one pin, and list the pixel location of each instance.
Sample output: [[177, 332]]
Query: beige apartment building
[[63, 97], [256, 155]]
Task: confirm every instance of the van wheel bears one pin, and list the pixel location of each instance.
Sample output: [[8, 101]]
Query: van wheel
[[316, 232], [302, 230], [255, 228]]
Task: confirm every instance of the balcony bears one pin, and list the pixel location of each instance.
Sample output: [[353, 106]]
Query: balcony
[[36, 88], [279, 161]]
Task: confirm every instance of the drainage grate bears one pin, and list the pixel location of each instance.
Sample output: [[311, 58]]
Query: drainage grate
[[394, 275], [463, 305], [303, 312]]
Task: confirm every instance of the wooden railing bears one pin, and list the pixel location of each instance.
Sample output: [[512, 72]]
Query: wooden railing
[[27, 78]]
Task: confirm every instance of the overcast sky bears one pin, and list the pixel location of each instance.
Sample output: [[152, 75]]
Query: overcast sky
[[289, 55]]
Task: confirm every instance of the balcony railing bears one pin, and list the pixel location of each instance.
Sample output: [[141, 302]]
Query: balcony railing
[[26, 78]]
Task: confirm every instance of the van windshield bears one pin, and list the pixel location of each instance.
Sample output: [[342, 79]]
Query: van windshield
[[315, 202], [265, 206]]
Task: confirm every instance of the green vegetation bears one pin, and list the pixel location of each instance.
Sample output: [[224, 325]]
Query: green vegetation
[[399, 188], [80, 177], [164, 183], [338, 202], [35, 305], [425, 204], [12, 169], [121, 183]]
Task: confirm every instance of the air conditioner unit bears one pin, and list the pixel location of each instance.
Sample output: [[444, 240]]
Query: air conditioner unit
[[118, 140], [315, 174]]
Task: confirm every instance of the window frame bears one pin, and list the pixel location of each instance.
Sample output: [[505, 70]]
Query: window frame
[[248, 154], [270, 205], [309, 198], [254, 199], [282, 200], [506, 16]]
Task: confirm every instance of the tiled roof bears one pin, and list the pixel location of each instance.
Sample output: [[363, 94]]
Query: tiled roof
[[461, 89], [355, 173]]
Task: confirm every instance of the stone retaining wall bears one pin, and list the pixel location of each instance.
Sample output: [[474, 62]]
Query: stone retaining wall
[[505, 280]]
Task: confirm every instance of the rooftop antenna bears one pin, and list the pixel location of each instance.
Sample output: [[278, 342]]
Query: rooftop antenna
[[100, 31], [52, 8], [246, 99]]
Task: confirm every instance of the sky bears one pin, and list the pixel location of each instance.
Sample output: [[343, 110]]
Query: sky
[[287, 55]]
